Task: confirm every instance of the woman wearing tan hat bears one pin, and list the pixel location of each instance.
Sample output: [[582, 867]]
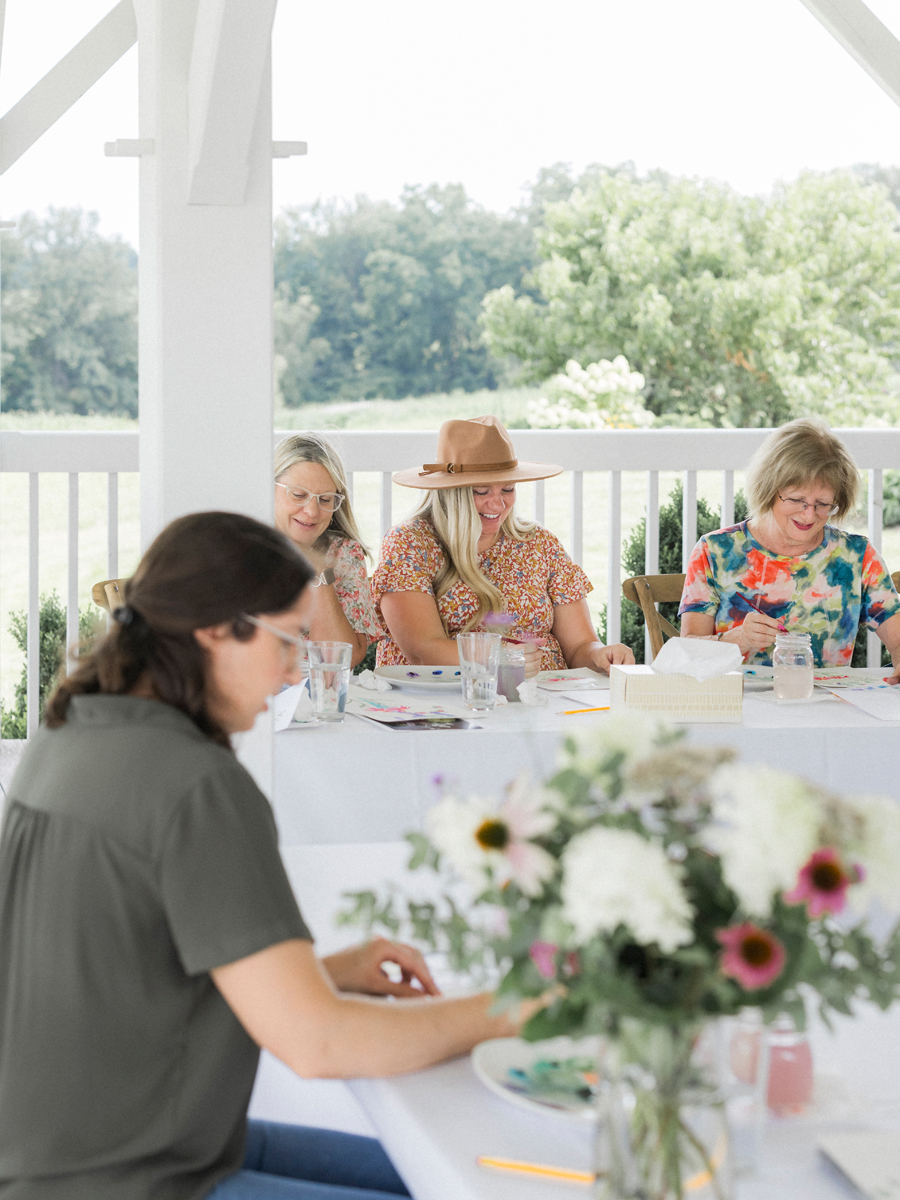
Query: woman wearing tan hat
[[465, 555]]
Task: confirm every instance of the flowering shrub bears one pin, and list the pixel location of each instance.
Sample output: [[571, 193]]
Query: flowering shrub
[[657, 880], [603, 395]]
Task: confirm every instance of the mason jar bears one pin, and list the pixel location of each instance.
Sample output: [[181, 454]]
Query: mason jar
[[793, 666], [511, 671]]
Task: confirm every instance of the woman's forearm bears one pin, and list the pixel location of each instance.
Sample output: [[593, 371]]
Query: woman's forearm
[[328, 622]]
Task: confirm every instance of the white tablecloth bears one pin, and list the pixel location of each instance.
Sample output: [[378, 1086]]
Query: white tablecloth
[[435, 1123], [358, 782]]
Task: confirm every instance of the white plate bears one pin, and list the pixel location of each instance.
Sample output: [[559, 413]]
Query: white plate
[[434, 679], [493, 1060], [581, 677], [815, 698]]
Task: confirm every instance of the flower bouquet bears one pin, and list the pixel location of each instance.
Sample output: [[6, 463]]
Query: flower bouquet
[[647, 888]]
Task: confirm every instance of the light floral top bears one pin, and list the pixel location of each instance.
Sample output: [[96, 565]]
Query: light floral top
[[827, 593], [351, 584], [534, 576]]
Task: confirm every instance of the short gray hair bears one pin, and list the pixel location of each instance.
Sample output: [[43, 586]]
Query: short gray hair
[[802, 452]]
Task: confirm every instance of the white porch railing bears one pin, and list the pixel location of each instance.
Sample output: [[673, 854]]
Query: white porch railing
[[578, 452]]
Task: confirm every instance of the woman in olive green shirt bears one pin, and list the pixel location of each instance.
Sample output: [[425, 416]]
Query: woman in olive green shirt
[[149, 939]]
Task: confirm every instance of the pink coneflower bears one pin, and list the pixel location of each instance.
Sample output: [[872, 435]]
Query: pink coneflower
[[751, 955], [823, 884], [543, 955]]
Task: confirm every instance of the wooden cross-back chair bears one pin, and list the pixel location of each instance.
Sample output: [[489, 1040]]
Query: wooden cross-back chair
[[108, 594], [648, 591]]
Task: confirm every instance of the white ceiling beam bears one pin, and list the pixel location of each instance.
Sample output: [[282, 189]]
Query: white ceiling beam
[[67, 82], [229, 60], [864, 38]]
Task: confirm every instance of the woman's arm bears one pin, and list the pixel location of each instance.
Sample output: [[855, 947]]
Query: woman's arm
[[578, 639], [285, 1001], [328, 622], [889, 632], [415, 625]]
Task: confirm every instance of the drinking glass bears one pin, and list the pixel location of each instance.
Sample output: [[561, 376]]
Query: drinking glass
[[479, 658], [329, 678]]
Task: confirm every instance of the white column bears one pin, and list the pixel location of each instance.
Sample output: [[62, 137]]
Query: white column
[[205, 340]]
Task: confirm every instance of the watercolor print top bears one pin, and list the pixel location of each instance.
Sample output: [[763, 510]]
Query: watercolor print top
[[827, 593], [351, 584], [534, 577]]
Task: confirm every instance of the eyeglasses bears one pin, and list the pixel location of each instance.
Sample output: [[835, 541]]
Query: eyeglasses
[[327, 501], [793, 504], [293, 648]]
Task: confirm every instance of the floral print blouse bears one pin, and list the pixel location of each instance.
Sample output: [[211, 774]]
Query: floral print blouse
[[534, 576], [826, 593], [351, 584]]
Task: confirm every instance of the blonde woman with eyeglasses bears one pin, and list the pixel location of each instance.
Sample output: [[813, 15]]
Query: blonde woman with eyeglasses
[[313, 509], [787, 567]]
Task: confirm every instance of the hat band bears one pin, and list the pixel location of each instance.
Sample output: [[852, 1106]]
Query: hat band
[[461, 468]]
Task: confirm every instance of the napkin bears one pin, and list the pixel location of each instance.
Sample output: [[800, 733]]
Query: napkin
[[292, 704], [699, 659], [529, 694], [371, 682]]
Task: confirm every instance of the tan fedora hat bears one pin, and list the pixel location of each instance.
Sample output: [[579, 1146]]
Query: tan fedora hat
[[474, 452]]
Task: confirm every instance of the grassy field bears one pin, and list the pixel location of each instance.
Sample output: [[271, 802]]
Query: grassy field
[[425, 412]]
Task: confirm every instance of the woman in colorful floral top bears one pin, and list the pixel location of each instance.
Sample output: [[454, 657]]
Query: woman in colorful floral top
[[312, 507], [786, 567], [465, 558]]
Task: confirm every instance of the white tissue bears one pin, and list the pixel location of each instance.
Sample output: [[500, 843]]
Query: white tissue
[[371, 682], [699, 659], [529, 694], [293, 704]]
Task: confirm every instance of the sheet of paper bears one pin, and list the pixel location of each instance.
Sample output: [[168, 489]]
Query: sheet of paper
[[869, 1159], [590, 699], [403, 707], [883, 702], [840, 677], [575, 677], [284, 704]]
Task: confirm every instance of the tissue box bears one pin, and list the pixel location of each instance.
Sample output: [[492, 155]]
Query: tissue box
[[678, 697]]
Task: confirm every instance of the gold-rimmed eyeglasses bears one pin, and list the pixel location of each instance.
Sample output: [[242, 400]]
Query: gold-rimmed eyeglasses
[[327, 501], [293, 648], [793, 504]]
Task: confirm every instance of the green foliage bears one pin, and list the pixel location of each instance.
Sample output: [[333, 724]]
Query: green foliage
[[69, 311], [738, 311], [670, 547], [891, 490], [52, 647], [381, 299]]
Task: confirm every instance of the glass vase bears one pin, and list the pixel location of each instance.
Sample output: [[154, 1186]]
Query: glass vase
[[662, 1131]]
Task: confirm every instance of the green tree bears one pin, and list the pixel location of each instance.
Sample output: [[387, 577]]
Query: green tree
[[51, 652], [738, 311], [391, 294], [69, 298]]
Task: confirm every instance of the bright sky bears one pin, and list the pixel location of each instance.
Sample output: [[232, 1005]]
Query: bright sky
[[485, 92]]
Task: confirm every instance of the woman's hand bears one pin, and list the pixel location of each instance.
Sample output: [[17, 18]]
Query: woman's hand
[[757, 632], [609, 656], [361, 969], [532, 650]]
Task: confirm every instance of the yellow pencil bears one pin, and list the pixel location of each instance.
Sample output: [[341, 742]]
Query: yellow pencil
[[571, 712], [525, 1168]]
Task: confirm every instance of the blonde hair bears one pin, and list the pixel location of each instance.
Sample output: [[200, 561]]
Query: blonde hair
[[309, 447], [802, 452], [457, 527]]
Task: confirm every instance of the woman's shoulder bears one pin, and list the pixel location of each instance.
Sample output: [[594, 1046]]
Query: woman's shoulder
[[342, 548], [417, 532]]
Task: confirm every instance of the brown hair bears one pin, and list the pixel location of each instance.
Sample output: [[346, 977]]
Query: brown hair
[[202, 570], [802, 452]]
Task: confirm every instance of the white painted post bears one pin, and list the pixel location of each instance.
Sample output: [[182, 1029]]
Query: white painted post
[[876, 527], [206, 379], [386, 501], [33, 631], [614, 600], [651, 544], [112, 525], [539, 501], [689, 517], [72, 576], [727, 511], [577, 515]]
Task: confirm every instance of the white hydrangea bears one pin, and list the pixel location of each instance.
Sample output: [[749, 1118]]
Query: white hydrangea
[[876, 850], [766, 824], [633, 735], [603, 395], [614, 877]]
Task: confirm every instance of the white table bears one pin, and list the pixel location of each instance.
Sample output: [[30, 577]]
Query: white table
[[435, 1123], [358, 782]]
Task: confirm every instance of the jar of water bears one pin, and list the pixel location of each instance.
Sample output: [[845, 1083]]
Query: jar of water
[[511, 671], [793, 666]]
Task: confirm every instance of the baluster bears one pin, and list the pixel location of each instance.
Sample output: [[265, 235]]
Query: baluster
[[727, 513], [577, 516], [72, 576], [386, 501], [33, 633], [614, 600], [689, 517], [539, 501], [350, 486], [112, 525], [876, 528], [651, 543]]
